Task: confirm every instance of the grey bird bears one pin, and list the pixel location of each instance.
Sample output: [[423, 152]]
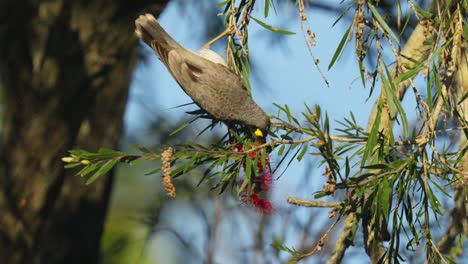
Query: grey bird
[[205, 78]]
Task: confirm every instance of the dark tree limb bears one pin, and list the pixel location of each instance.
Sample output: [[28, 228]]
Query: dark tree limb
[[65, 68]]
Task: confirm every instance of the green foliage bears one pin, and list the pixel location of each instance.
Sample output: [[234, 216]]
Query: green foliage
[[382, 23], [272, 28]]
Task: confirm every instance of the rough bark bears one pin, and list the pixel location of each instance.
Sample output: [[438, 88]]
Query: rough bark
[[65, 68]]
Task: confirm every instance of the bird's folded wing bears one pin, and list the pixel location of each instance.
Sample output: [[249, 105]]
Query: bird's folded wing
[[185, 71]]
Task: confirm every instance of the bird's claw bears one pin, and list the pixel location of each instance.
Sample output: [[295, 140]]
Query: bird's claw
[[229, 30]]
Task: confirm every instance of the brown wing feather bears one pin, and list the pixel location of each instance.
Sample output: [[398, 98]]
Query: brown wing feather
[[193, 71], [162, 49]]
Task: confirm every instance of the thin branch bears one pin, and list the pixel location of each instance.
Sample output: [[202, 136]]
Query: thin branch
[[346, 238], [309, 203]]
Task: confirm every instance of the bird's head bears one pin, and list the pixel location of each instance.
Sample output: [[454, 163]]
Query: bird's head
[[259, 125], [260, 136]]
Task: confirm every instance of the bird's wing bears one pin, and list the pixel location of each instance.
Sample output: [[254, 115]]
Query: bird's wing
[[185, 65], [212, 86], [162, 49], [214, 70]]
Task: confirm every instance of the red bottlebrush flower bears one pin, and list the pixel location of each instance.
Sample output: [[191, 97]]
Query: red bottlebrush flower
[[254, 199], [262, 182], [260, 204], [238, 147], [266, 206]]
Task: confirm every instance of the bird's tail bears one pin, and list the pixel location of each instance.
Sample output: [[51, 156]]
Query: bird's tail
[[150, 31]]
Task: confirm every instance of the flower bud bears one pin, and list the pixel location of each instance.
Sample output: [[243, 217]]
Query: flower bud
[[69, 159]]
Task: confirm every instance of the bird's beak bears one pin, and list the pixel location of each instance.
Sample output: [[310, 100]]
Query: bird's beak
[[260, 137], [258, 133]]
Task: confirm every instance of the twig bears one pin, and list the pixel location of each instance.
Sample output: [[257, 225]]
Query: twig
[[346, 238], [310, 203]]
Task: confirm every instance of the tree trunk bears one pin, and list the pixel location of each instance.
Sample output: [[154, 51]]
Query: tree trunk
[[65, 68]]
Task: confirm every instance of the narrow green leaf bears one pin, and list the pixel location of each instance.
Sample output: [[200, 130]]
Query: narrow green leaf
[[320, 195], [393, 101], [442, 189], [144, 150], [347, 167], [242, 187], [361, 177], [141, 149], [223, 184], [180, 128], [154, 171], [280, 246], [465, 31], [286, 137], [405, 25], [206, 175], [382, 22], [434, 202], [288, 113], [326, 128], [362, 73], [281, 150], [376, 167], [88, 169], [108, 151], [179, 170], [78, 152], [430, 102], [422, 12], [248, 167], [72, 165], [373, 136], [272, 28], [103, 153], [282, 109], [343, 14], [223, 3], [437, 82], [462, 99], [267, 8], [303, 152], [339, 49], [409, 74], [385, 197], [102, 170]]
